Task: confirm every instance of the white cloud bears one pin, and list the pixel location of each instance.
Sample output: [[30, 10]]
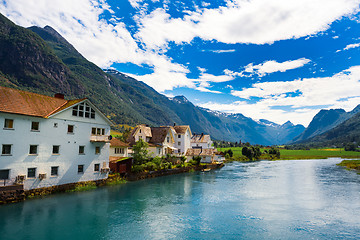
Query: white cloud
[[349, 46], [355, 45], [305, 97], [224, 51], [273, 66], [244, 21]]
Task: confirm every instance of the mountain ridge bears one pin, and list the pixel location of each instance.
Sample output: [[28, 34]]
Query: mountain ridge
[[122, 98], [324, 121]]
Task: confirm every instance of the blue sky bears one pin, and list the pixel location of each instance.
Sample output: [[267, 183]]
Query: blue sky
[[267, 59]]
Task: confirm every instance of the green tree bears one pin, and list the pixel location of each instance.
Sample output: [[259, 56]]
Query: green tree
[[197, 159], [350, 147], [140, 152]]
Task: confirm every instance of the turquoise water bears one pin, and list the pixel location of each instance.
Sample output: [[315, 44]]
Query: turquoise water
[[308, 199]]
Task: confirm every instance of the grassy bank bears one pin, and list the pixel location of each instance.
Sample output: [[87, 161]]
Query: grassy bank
[[322, 153], [350, 164]]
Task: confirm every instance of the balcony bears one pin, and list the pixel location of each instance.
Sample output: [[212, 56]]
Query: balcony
[[100, 138]]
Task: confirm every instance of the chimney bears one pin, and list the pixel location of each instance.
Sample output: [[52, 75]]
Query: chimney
[[59, 95]]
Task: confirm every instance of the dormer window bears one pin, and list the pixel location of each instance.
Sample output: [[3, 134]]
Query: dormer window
[[83, 110]]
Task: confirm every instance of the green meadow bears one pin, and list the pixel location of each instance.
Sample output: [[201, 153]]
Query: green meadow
[[321, 153]]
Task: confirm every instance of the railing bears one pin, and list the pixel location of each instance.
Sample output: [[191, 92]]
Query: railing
[[100, 138]]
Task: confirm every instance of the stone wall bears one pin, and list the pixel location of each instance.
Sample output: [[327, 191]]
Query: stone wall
[[14, 193]]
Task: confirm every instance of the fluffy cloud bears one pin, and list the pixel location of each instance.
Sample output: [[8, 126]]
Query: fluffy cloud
[[273, 66], [355, 45], [243, 21], [304, 96]]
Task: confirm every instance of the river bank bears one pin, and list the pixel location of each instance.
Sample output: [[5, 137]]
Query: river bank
[[314, 153], [351, 164]]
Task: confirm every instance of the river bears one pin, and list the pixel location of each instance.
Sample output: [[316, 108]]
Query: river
[[304, 199]]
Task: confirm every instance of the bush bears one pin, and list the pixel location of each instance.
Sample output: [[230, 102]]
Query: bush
[[350, 147], [137, 168], [157, 161], [197, 160]]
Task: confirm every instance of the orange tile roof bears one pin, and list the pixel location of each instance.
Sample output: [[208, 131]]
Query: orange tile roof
[[31, 104], [118, 143]]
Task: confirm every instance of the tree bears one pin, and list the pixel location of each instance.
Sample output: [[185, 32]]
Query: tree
[[350, 147], [140, 152], [230, 152], [197, 159]]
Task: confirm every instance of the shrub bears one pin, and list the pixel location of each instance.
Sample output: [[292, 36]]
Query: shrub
[[197, 160], [137, 168]]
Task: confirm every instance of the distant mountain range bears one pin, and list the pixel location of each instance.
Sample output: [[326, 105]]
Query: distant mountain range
[[324, 121], [332, 127], [41, 60]]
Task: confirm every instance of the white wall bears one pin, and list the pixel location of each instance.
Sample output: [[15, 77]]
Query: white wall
[[113, 154], [21, 137], [185, 141]]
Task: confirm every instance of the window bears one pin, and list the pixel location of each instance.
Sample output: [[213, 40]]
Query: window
[[168, 139], [70, 128], [6, 149], [33, 149], [83, 110], [56, 149], [159, 150], [34, 126], [179, 136], [9, 124], [98, 131], [119, 150], [31, 172], [81, 149], [179, 143], [4, 174], [55, 171], [80, 168], [97, 150], [96, 167], [140, 131]]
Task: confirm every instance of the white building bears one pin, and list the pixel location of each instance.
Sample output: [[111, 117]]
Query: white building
[[47, 141], [161, 139], [201, 141], [182, 138], [118, 148]]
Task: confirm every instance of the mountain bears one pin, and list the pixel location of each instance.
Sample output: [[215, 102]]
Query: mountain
[[27, 61], [324, 121], [346, 132], [41, 60]]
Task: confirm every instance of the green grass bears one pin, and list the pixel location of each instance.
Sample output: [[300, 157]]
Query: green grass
[[350, 164], [83, 186], [305, 154], [115, 179]]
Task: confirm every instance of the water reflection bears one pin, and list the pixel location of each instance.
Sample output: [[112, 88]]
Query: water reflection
[[262, 200]]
